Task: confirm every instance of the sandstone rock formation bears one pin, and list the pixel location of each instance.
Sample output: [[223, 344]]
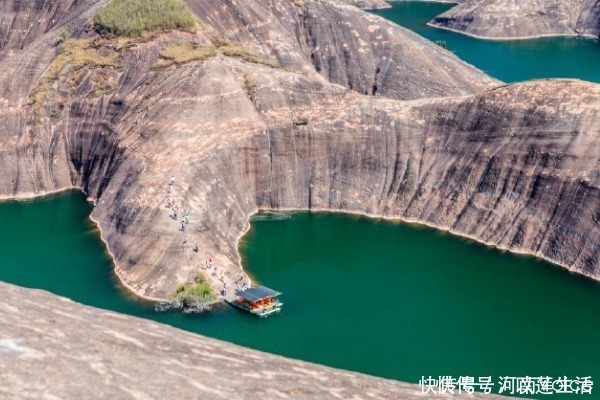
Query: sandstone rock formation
[[52, 348], [589, 18], [119, 128], [512, 19], [369, 4], [326, 108], [22, 21]]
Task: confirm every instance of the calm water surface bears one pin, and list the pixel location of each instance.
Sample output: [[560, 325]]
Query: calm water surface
[[509, 61], [383, 298]]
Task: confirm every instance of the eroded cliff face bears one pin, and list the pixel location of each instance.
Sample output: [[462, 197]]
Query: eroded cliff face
[[510, 19], [515, 167], [77, 352], [296, 126], [360, 51], [589, 18]]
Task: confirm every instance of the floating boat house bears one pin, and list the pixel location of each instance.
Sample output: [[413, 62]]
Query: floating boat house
[[258, 300]]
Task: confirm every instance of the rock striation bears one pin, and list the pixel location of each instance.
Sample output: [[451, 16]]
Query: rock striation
[[321, 107], [510, 19], [120, 128], [588, 22], [56, 348], [23, 22]]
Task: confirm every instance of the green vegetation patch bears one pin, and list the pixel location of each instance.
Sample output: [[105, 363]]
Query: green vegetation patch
[[195, 293], [134, 18], [181, 53], [233, 50], [77, 53], [250, 88]]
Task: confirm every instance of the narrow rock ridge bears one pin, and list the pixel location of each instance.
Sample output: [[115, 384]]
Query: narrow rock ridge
[[510, 19], [516, 167], [368, 4], [51, 347]]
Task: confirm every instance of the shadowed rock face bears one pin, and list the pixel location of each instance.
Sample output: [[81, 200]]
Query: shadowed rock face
[[51, 347], [514, 166], [505, 19]]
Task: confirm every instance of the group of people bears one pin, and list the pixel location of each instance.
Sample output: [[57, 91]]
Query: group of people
[[208, 265], [241, 285], [185, 217], [185, 220]]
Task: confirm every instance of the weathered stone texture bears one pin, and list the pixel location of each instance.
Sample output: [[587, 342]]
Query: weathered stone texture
[[514, 166], [345, 45], [506, 19], [589, 18]]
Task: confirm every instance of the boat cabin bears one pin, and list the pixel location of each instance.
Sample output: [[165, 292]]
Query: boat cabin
[[258, 300]]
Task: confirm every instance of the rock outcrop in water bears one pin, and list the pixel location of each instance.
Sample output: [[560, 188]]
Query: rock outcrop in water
[[508, 19], [321, 107], [53, 348], [368, 4]]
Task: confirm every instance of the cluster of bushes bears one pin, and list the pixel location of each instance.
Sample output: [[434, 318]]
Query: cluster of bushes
[[183, 52], [134, 18], [234, 50], [250, 88], [77, 53], [197, 294]]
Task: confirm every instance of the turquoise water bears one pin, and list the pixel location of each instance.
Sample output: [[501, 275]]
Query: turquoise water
[[509, 61], [383, 298]]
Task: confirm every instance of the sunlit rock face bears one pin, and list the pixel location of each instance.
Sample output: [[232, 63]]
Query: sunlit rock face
[[505, 19], [336, 110]]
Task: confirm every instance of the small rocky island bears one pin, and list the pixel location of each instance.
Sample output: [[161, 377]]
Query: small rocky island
[[246, 105], [508, 19]]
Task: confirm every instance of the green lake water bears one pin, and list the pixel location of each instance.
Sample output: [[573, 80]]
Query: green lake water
[[383, 298], [509, 61]]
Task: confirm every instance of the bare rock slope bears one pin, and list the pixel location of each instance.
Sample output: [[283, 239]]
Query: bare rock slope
[[320, 106], [512, 19], [117, 120], [78, 352], [22, 22]]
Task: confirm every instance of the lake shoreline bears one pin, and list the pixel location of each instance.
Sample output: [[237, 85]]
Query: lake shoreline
[[514, 38], [411, 221], [418, 222]]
